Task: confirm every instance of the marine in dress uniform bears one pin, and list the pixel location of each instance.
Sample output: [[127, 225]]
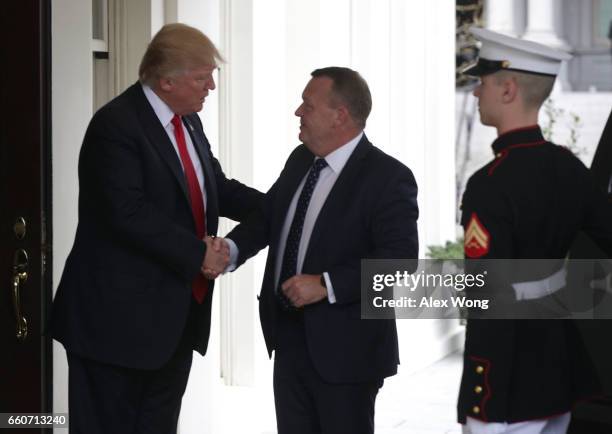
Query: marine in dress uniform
[[529, 202]]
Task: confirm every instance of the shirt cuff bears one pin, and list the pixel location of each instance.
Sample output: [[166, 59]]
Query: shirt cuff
[[331, 296], [233, 256]]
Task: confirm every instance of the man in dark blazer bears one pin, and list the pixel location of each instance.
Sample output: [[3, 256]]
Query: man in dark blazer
[[133, 302], [337, 201]]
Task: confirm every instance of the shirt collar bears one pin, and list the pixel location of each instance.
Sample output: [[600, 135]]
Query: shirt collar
[[526, 135], [337, 160], [161, 109]]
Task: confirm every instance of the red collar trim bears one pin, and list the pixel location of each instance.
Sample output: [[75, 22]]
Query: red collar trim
[[501, 156]]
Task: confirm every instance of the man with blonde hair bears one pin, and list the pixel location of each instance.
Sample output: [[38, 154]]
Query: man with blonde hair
[[135, 297], [523, 376]]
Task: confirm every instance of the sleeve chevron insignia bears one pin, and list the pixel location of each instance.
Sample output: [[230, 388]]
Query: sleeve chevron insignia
[[477, 238]]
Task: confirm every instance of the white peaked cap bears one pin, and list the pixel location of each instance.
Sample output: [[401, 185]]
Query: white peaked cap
[[500, 51]]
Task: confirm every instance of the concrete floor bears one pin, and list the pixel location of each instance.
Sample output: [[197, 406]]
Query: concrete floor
[[423, 402], [419, 403]]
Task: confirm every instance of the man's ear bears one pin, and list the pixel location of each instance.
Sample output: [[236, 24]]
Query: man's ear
[[342, 115], [510, 90], [166, 84]]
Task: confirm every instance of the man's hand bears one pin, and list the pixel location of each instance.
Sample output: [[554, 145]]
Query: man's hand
[[216, 258], [303, 289]]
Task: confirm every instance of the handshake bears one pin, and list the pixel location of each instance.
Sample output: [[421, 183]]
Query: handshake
[[299, 290], [217, 257]]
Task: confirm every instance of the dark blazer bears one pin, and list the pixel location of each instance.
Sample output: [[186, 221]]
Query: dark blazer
[[125, 293], [371, 212]]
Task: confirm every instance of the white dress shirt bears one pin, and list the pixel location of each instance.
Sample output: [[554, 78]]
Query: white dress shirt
[[165, 115], [327, 178]]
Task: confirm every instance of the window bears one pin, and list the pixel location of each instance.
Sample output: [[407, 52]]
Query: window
[[99, 48], [602, 23], [99, 25]]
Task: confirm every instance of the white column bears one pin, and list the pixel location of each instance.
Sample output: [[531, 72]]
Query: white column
[[170, 11], [71, 108], [129, 35], [157, 15], [500, 16], [427, 137], [542, 16], [236, 153]]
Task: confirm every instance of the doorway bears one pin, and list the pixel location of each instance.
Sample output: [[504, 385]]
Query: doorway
[[25, 208]]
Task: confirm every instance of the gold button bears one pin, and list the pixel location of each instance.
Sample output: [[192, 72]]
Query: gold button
[[498, 155], [479, 369], [476, 409], [478, 389]]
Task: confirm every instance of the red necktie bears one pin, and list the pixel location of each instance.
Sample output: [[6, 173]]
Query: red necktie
[[200, 284]]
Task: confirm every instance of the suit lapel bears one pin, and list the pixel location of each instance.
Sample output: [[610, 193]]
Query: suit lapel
[[333, 208], [157, 135], [201, 145]]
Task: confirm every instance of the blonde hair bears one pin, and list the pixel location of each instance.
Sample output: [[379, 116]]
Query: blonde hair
[[535, 88], [175, 49]]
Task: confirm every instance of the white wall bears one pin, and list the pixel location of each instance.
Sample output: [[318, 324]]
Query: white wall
[[71, 87]]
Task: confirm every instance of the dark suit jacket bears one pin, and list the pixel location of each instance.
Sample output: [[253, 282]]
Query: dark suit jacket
[[371, 212], [125, 293], [601, 167]]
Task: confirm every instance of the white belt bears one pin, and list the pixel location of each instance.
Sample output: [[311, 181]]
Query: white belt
[[553, 425], [540, 288]]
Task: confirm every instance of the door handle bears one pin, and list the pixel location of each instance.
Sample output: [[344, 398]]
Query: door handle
[[20, 275]]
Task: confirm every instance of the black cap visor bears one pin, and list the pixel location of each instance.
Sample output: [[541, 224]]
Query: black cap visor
[[484, 67]]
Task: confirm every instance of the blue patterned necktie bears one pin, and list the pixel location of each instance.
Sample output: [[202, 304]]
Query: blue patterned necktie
[[289, 267]]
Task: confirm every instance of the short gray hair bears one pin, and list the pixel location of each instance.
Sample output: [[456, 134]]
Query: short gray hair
[[350, 89]]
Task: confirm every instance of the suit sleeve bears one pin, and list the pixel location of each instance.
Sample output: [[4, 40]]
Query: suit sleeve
[[113, 187], [392, 234], [236, 200], [255, 232], [598, 211]]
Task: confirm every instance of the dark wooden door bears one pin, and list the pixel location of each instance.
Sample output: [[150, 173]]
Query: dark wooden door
[[25, 209]]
